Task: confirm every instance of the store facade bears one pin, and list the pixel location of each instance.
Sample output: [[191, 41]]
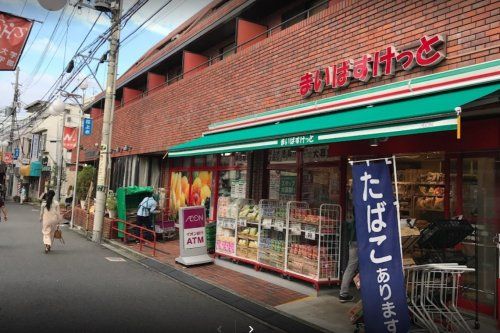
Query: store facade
[[278, 115], [446, 145]]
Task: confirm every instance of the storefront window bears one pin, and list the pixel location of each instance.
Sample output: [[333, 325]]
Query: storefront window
[[321, 185], [233, 160], [199, 161], [233, 183], [316, 154], [240, 159], [282, 156], [480, 184], [282, 185], [186, 162], [421, 186], [453, 188], [211, 160], [177, 162]]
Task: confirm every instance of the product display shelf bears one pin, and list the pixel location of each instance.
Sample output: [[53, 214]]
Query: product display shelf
[[313, 243], [247, 231], [418, 196], [227, 218], [272, 234], [330, 227]]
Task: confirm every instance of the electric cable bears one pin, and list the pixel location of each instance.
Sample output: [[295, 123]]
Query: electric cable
[[36, 36], [96, 44], [44, 53]]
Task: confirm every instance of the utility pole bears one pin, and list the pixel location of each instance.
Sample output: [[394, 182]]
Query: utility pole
[[109, 103], [60, 162], [13, 111], [13, 114]]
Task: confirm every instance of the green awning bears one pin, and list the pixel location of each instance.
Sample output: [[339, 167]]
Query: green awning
[[35, 169], [429, 113]]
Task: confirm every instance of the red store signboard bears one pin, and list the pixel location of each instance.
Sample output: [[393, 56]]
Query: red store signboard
[[380, 63], [14, 32], [70, 137]]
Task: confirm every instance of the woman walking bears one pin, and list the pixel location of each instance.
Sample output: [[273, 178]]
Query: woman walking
[[50, 217]]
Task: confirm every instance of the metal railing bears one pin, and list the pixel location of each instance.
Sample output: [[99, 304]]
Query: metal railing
[[127, 234]]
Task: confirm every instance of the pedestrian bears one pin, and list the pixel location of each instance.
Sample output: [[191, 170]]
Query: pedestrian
[[69, 197], [144, 214], [23, 194], [352, 264], [3, 209], [49, 217]]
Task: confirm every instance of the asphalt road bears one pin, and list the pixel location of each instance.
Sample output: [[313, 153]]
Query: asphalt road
[[76, 289]]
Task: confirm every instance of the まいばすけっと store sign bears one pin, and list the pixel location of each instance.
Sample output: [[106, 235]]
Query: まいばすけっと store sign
[[428, 53]]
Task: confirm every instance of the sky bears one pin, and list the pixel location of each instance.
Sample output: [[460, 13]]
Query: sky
[[45, 58]]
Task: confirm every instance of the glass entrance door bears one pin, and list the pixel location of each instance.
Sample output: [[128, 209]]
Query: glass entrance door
[[480, 198]]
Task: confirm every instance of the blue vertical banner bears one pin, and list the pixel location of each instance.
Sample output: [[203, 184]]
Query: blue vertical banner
[[87, 126], [379, 248]]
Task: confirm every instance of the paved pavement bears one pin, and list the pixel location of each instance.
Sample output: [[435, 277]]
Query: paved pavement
[[76, 289]]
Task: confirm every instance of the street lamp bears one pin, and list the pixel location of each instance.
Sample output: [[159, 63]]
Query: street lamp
[[56, 108], [83, 86]]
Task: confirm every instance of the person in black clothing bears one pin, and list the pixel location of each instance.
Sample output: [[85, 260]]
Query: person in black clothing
[[352, 265]]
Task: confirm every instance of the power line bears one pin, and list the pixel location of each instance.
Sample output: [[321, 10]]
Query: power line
[[154, 21], [36, 36], [148, 19], [65, 35], [42, 58], [24, 6], [94, 46]]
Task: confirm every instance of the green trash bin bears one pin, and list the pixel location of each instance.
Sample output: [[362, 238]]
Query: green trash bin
[[210, 234], [127, 201]]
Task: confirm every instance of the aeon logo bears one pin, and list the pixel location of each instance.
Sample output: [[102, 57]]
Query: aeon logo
[[195, 218]]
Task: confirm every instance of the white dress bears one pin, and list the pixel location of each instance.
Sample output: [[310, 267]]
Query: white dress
[[50, 219]]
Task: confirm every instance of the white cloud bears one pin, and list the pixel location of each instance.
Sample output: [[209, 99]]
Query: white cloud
[[27, 96], [168, 18]]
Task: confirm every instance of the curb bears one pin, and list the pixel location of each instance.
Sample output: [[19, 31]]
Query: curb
[[262, 312]]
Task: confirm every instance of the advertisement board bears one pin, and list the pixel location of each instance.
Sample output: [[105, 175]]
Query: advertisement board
[[193, 244]]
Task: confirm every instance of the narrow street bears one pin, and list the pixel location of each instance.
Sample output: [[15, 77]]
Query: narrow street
[[76, 289]]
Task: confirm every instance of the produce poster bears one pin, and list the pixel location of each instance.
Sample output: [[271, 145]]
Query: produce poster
[[201, 189], [179, 192], [379, 248], [183, 194]]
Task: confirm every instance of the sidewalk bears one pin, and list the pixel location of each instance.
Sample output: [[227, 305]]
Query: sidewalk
[[293, 298]]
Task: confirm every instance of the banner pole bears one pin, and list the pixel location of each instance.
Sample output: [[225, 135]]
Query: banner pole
[[397, 205]]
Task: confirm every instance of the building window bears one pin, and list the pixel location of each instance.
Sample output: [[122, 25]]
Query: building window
[[227, 50], [43, 142], [302, 11]]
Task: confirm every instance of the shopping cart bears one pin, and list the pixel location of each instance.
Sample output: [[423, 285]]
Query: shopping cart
[[432, 296]]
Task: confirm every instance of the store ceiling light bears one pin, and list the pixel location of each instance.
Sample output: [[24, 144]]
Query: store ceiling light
[[374, 142]]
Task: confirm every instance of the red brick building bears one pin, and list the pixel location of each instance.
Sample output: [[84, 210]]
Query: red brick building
[[235, 71]]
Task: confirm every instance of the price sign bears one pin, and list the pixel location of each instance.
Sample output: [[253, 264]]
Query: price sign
[[310, 232], [266, 223], [295, 229], [279, 225], [242, 222]]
